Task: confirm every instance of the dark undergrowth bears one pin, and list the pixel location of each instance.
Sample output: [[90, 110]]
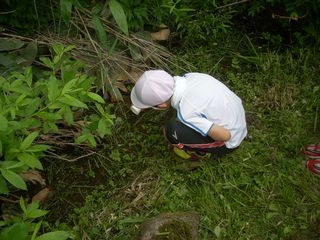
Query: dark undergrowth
[[261, 191]]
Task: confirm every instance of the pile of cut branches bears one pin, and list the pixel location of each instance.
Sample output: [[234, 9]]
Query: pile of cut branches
[[115, 63]]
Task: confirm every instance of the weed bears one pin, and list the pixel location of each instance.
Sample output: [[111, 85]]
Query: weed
[[261, 191]]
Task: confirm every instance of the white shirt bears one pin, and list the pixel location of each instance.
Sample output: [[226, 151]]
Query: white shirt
[[202, 101]]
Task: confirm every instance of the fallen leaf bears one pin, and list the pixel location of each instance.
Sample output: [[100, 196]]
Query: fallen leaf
[[43, 195], [33, 176], [161, 35]]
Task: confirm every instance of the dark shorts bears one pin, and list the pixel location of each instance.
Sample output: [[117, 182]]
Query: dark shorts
[[186, 138]]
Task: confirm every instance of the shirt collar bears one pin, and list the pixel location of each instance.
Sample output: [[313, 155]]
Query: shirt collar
[[180, 85]]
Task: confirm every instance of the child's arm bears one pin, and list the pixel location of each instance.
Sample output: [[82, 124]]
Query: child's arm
[[219, 133]]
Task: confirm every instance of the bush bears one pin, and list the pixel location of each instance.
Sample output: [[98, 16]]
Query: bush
[[32, 109], [26, 16], [23, 227]]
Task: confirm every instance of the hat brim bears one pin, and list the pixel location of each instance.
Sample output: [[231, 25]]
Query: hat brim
[[135, 101]]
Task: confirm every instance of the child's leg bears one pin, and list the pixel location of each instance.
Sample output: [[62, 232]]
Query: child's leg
[[186, 138]]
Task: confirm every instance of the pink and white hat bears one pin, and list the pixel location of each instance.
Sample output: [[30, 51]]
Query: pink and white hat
[[152, 88]]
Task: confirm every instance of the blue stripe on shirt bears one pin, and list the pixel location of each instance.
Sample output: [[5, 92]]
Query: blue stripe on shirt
[[210, 129], [189, 124]]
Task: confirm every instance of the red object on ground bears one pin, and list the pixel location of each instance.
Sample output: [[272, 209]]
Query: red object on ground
[[312, 153]]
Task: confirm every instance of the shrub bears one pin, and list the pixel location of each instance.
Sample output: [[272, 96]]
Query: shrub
[[33, 109], [23, 227]]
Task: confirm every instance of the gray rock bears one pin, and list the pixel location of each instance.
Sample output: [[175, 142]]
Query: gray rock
[[173, 226]]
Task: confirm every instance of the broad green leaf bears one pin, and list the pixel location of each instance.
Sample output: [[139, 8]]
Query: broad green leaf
[[81, 138], [38, 148], [46, 127], [18, 75], [91, 140], [68, 87], [56, 105], [68, 115], [100, 31], [13, 113], [119, 15], [30, 160], [28, 54], [33, 206], [65, 9], [35, 213], [58, 47], [7, 44], [53, 89], [68, 73], [85, 82], [36, 230], [57, 61], [12, 164], [95, 97], [28, 76], [1, 148], [13, 149], [7, 60], [31, 106], [100, 109], [14, 179], [72, 101], [105, 114], [94, 118], [53, 127], [61, 235], [23, 205], [20, 98], [3, 186], [25, 123], [47, 62], [19, 86], [17, 231], [28, 140], [48, 116], [102, 128], [3, 123], [69, 48]]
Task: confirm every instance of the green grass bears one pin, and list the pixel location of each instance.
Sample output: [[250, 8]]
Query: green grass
[[261, 191]]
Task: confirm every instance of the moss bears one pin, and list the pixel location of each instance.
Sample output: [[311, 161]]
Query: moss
[[174, 230]]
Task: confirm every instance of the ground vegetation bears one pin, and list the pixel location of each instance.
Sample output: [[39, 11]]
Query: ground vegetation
[[75, 163]]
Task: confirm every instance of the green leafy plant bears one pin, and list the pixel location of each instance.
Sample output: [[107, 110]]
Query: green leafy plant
[[15, 53], [31, 109], [137, 13], [26, 16], [119, 15], [197, 22], [25, 228]]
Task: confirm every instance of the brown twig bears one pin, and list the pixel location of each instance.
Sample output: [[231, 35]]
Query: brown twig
[[8, 12], [54, 155], [8, 200], [296, 18], [21, 37], [232, 4]]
